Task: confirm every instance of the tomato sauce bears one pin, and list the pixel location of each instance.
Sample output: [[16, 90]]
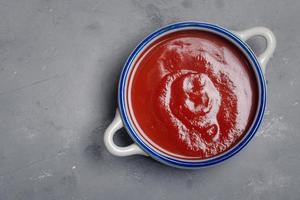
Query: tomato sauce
[[193, 94]]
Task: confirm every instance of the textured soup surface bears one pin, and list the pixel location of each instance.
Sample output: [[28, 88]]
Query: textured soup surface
[[194, 94]]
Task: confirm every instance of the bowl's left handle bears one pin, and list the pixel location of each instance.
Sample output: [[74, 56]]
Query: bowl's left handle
[[270, 39], [114, 149]]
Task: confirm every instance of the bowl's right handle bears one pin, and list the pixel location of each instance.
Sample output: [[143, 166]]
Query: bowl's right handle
[[270, 39]]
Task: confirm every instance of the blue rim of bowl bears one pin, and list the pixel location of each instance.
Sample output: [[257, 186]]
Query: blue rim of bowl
[[169, 160]]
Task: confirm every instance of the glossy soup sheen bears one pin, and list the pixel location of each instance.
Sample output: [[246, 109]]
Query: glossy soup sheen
[[194, 94]]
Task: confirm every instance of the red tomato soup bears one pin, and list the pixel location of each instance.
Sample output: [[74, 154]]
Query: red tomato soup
[[193, 94]]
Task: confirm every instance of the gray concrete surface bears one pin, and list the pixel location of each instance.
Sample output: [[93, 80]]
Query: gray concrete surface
[[59, 65]]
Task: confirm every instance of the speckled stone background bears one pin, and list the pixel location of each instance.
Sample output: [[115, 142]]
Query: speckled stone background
[[59, 66]]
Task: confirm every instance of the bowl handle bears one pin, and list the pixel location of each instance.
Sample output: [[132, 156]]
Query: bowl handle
[[269, 37], [111, 130]]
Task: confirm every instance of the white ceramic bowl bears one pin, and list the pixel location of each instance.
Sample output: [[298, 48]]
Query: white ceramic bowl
[[141, 146]]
